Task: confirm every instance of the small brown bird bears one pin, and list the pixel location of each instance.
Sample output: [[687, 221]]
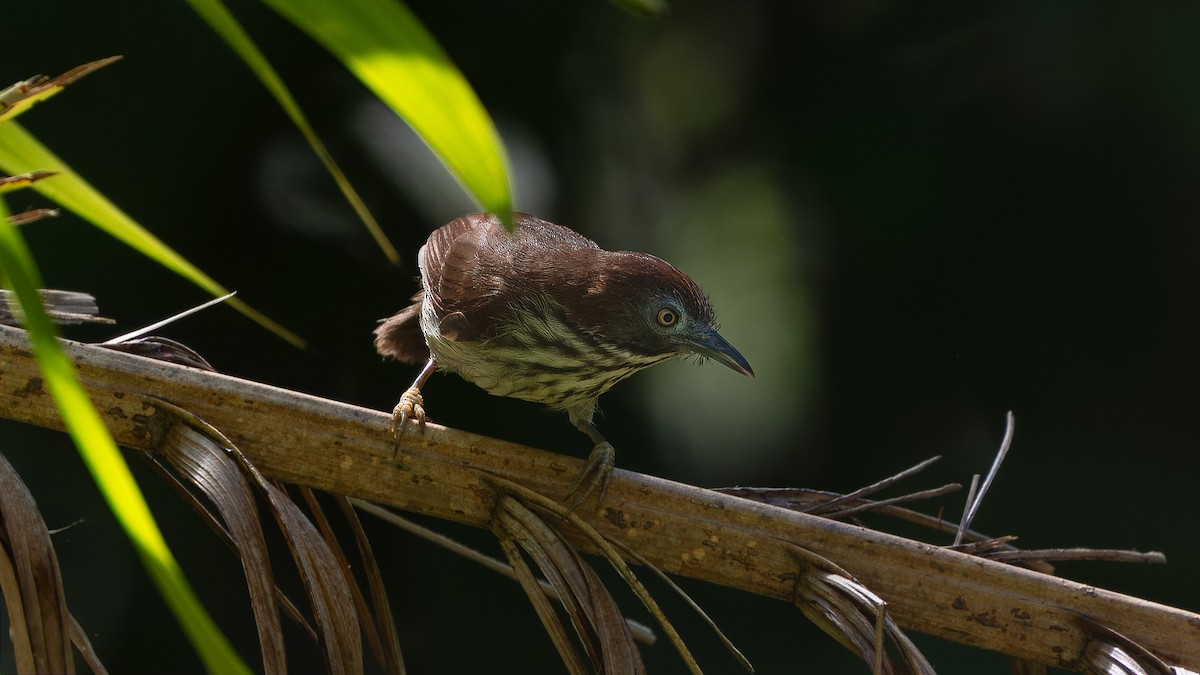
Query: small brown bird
[[544, 314]]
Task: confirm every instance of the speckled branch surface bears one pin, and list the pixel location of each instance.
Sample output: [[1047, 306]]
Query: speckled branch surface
[[683, 529]]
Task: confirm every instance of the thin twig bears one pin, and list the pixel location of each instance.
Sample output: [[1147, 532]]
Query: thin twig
[[1010, 423], [1093, 554], [171, 319], [963, 522], [883, 503], [881, 485]]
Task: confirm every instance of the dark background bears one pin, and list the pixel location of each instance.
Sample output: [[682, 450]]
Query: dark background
[[910, 219]]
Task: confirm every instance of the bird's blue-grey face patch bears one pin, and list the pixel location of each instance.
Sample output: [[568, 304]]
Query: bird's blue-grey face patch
[[709, 343], [686, 321]]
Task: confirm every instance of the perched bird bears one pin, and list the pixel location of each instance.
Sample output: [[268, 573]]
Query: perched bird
[[544, 314]]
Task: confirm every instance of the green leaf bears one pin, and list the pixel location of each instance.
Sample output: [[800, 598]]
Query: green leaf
[[388, 49], [224, 23], [20, 152], [108, 468]]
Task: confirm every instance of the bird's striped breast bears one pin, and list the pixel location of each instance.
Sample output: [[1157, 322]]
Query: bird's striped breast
[[537, 354]]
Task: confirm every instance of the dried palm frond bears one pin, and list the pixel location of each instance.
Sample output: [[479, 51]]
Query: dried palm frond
[[450, 474], [41, 628], [63, 307], [642, 633], [608, 549], [379, 627], [342, 616], [162, 349], [592, 610], [1110, 653], [23, 180], [31, 216], [209, 468], [857, 618]]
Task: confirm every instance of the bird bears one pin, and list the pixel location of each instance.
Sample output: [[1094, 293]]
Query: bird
[[544, 314]]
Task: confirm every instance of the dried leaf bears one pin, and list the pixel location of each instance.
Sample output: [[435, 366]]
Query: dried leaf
[[385, 624], [63, 307], [324, 582], [606, 549], [31, 216], [366, 617], [162, 349], [18, 632], [21, 96], [854, 616], [732, 648], [327, 589], [641, 632], [1110, 653], [23, 180], [207, 466], [32, 583], [80, 639], [554, 627], [593, 612], [218, 528]]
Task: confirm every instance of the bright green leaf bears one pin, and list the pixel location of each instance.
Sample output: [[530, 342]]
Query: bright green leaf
[[221, 21], [20, 152], [386, 47], [108, 468]]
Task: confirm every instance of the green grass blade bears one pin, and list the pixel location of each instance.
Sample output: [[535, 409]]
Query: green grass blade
[[108, 468], [20, 152], [225, 25], [388, 49]]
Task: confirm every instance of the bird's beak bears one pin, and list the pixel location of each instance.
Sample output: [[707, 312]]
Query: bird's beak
[[715, 347]]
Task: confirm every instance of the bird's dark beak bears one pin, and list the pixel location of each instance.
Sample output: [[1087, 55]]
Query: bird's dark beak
[[715, 347]]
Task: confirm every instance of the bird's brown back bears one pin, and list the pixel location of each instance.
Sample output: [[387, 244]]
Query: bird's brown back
[[474, 267], [476, 285]]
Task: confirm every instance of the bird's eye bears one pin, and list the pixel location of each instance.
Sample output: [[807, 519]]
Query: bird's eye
[[667, 317]]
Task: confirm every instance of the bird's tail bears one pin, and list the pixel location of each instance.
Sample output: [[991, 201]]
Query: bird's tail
[[400, 336]]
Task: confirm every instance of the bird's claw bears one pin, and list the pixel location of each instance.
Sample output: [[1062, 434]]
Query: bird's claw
[[410, 407], [595, 475]]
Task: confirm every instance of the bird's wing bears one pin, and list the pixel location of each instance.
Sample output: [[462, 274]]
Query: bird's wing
[[475, 271]]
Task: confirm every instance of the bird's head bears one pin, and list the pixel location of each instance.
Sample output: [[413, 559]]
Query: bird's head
[[644, 306]]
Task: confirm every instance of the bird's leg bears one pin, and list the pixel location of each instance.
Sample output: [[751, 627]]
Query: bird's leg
[[598, 470], [411, 405]]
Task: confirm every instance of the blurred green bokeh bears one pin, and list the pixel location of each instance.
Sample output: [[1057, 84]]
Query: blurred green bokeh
[[910, 219]]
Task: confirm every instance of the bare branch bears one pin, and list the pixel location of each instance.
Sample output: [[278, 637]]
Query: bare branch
[[681, 529]]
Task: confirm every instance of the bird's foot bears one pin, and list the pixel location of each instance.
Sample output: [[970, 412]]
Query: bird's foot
[[410, 407], [595, 475]]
